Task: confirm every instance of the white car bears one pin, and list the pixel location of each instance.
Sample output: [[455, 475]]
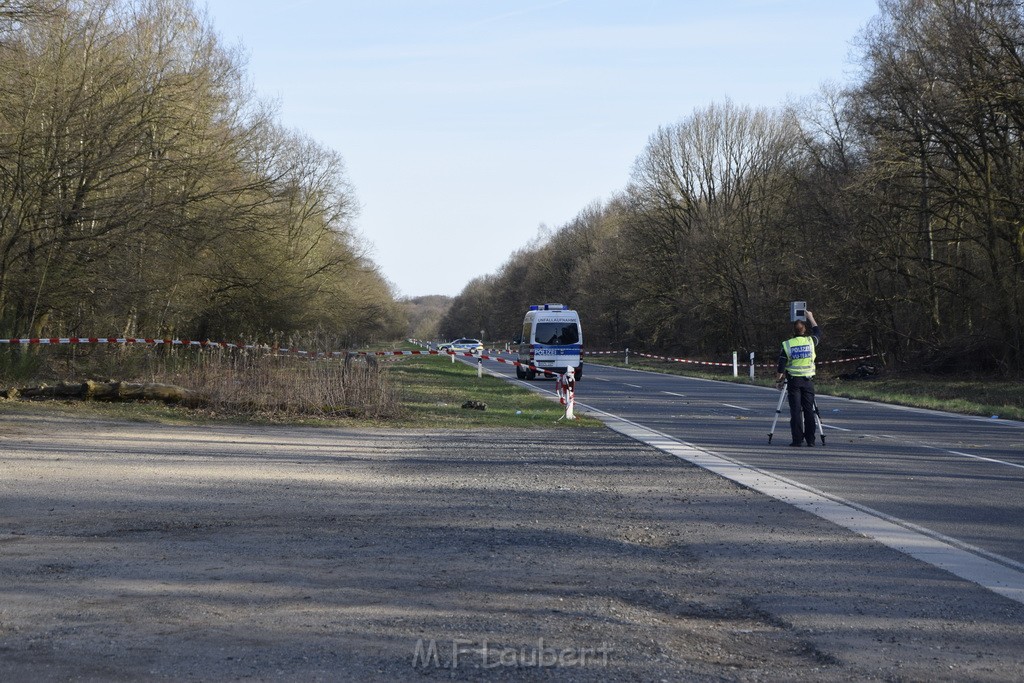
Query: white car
[[465, 345]]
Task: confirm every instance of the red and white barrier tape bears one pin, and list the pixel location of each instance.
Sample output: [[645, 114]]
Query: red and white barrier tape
[[54, 341], [848, 360], [44, 341], [152, 341], [742, 364], [817, 362], [685, 360]]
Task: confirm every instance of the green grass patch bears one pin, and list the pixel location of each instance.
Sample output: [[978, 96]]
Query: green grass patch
[[433, 390], [971, 396]]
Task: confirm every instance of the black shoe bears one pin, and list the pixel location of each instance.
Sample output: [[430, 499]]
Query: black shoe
[[795, 443], [810, 444]]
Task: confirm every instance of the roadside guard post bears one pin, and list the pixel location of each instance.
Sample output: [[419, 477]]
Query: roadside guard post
[[566, 390]]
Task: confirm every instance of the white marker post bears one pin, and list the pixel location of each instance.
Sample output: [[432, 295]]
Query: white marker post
[[566, 390], [735, 364], [751, 365]]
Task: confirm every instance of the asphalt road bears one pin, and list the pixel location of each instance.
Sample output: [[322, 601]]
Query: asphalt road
[[215, 552], [958, 476]]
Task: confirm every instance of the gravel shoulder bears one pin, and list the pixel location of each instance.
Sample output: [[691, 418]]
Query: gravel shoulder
[[139, 551]]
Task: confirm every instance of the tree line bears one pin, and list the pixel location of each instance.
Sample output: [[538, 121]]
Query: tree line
[[145, 189], [894, 205]]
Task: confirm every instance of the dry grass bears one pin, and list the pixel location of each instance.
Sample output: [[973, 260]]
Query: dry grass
[[232, 382], [279, 385]]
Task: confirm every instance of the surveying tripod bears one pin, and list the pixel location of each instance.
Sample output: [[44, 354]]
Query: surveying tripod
[[778, 409]]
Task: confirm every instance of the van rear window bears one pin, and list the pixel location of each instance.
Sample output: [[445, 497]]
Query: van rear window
[[557, 333]]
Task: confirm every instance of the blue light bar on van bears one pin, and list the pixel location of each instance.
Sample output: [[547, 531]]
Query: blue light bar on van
[[548, 307], [534, 308]]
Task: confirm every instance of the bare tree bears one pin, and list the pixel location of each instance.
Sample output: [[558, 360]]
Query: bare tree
[[708, 221], [142, 186], [943, 106]]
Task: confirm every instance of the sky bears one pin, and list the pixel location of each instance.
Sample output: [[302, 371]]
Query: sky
[[467, 125]]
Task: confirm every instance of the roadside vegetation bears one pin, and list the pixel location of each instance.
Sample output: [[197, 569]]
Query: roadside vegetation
[[385, 391], [403, 391], [147, 191]]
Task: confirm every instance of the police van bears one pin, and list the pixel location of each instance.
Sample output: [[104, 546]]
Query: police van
[[552, 339]]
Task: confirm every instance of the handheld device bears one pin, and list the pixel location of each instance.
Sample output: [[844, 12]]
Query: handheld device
[[797, 311]]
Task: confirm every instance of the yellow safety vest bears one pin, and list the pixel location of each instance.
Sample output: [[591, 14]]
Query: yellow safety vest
[[800, 353]]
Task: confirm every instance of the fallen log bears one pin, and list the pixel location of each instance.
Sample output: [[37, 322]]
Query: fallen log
[[109, 391]]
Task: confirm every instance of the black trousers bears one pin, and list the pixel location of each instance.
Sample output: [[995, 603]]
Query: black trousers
[[801, 408]]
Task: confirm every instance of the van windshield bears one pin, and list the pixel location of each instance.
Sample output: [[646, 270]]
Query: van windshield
[[553, 334]]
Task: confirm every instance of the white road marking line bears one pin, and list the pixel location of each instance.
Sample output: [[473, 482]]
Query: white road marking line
[[973, 457], [947, 450], [990, 570], [870, 436], [729, 405], [998, 574], [1017, 424], [635, 386], [601, 379], [971, 418]]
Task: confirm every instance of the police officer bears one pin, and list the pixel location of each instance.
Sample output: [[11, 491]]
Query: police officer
[[796, 364]]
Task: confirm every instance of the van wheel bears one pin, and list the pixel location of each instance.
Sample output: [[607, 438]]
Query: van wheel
[[578, 372], [520, 373], [531, 375]]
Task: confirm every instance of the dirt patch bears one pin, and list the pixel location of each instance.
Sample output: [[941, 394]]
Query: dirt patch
[[133, 551]]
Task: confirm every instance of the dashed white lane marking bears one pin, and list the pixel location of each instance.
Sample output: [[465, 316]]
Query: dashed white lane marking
[[843, 429], [973, 457], [729, 405], [635, 386], [947, 450], [1013, 424], [999, 574]]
